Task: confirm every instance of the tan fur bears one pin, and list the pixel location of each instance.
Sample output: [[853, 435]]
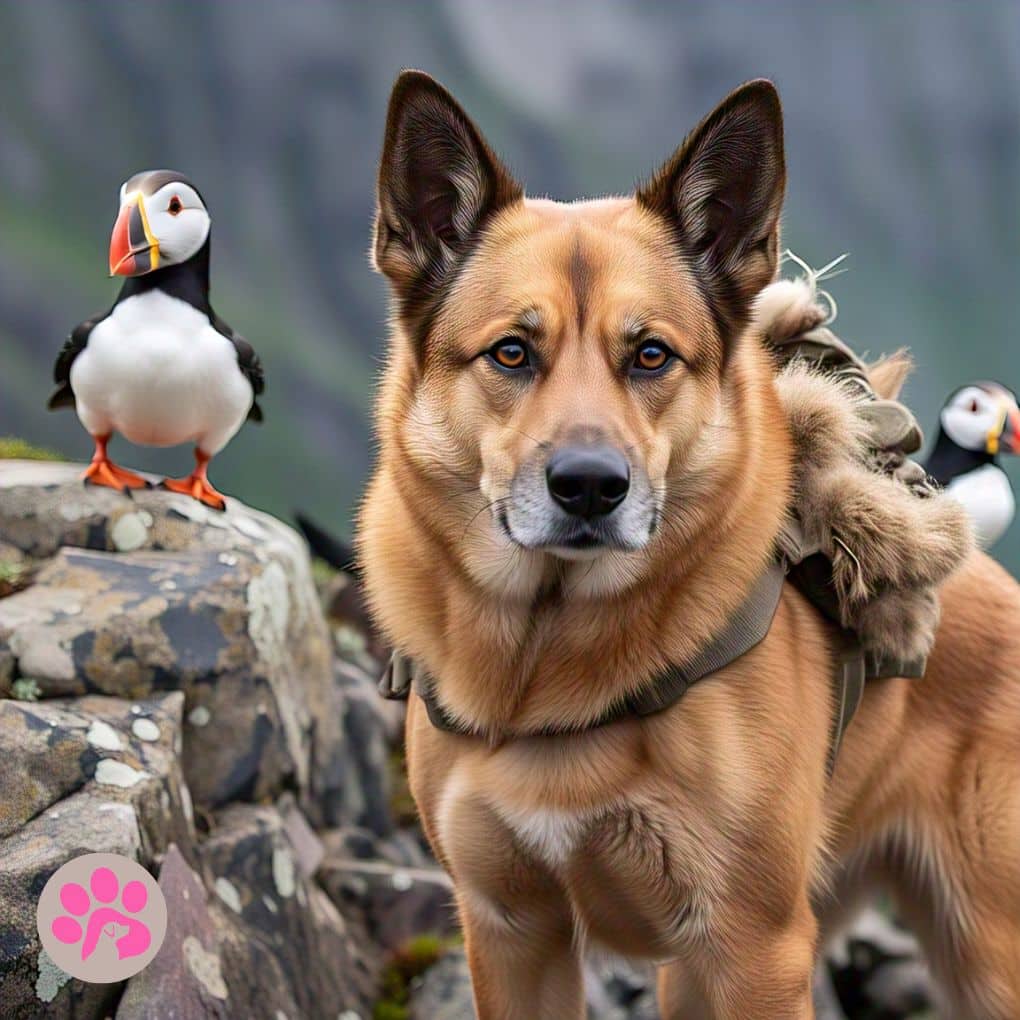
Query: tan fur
[[889, 374], [708, 836]]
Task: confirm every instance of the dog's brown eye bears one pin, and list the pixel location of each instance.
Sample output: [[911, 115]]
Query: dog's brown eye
[[509, 353], [651, 357]]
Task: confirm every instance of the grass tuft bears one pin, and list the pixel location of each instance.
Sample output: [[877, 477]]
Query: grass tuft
[[13, 448]]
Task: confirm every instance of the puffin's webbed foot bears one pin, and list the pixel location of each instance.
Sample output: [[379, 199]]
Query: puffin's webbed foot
[[102, 471], [197, 484]]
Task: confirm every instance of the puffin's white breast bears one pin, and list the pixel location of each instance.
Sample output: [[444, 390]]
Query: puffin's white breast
[[158, 373], [988, 497]]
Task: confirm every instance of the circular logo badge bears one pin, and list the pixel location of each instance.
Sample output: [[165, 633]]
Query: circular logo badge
[[101, 918]]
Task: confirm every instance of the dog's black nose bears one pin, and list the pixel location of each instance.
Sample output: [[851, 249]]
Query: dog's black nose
[[588, 480]]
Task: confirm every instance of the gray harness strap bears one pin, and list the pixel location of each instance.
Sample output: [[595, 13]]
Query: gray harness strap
[[746, 628]]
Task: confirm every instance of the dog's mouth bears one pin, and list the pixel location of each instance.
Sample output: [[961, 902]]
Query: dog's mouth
[[577, 540]]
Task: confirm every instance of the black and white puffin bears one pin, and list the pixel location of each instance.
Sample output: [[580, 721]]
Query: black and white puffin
[[977, 423], [160, 367]]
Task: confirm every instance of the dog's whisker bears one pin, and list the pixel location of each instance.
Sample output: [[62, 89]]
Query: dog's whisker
[[487, 506]]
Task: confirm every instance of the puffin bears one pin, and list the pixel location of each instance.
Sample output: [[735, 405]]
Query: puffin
[[160, 368], [978, 422]]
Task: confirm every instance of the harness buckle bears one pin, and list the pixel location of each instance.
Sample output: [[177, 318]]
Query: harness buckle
[[395, 683]]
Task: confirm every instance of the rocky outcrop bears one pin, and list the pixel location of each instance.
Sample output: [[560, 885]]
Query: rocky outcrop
[[170, 690], [139, 596]]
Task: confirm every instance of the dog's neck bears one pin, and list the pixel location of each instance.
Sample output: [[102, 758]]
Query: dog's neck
[[559, 654]]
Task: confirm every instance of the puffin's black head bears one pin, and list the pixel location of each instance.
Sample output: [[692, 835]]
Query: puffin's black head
[[162, 222], [983, 418]]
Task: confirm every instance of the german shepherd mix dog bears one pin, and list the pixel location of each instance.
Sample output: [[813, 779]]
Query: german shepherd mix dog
[[583, 470]]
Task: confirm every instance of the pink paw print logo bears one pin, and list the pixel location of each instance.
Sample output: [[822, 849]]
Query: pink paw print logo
[[102, 917]]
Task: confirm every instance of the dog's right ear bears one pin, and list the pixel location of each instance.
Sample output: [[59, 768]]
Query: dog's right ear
[[438, 184]]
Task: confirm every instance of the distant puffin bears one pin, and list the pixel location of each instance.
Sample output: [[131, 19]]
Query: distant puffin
[[160, 367], [978, 422]]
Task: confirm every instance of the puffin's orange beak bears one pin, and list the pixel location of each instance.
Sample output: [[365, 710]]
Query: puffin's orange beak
[[1011, 433], [133, 249]]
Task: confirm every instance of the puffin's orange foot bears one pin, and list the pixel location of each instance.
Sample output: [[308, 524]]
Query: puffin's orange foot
[[105, 472], [197, 487]]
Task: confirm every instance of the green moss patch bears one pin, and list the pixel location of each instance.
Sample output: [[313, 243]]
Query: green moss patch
[[14, 575], [12, 448], [408, 962]]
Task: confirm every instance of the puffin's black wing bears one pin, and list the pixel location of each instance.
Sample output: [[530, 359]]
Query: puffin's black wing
[[63, 396], [247, 360]]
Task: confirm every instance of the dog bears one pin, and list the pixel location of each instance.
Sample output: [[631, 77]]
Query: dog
[[583, 467]]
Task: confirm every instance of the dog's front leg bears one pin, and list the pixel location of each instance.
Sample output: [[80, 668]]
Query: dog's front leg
[[523, 958], [517, 921], [750, 971]]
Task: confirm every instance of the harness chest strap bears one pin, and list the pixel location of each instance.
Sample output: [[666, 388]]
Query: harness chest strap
[[745, 629]]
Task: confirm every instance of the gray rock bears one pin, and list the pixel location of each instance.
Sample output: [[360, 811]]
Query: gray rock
[[186, 978], [396, 902], [131, 800], [827, 1005], [53, 755], [325, 961], [358, 771], [617, 989], [210, 966], [158, 592], [6, 672], [351, 843], [444, 991]]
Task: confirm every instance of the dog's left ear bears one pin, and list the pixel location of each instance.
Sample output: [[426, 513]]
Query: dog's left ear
[[723, 192]]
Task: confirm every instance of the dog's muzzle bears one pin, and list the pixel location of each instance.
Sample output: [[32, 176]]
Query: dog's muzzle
[[588, 481], [583, 499]]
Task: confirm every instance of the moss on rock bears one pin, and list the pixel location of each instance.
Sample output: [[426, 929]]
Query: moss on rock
[[13, 448]]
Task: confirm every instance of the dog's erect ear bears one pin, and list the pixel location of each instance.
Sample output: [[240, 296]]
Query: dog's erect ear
[[438, 184], [723, 192]]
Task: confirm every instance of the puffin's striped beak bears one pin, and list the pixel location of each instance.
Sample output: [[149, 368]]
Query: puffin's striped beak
[[1011, 433], [133, 249]]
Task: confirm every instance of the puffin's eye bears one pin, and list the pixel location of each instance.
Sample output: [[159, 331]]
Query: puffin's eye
[[973, 408], [652, 356], [510, 354], [175, 206]]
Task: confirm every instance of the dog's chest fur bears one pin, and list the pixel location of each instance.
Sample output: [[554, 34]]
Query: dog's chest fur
[[549, 834], [628, 889]]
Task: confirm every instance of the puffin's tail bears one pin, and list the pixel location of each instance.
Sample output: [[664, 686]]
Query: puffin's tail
[[334, 551]]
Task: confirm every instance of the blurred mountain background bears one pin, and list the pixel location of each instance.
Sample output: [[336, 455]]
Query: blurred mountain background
[[903, 134]]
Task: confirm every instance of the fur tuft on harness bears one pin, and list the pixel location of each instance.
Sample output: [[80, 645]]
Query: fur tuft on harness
[[870, 536]]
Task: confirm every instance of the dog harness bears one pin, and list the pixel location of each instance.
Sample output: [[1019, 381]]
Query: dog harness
[[893, 435], [853, 667]]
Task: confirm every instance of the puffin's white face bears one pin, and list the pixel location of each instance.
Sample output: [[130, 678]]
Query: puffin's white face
[[162, 222], [983, 418]]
